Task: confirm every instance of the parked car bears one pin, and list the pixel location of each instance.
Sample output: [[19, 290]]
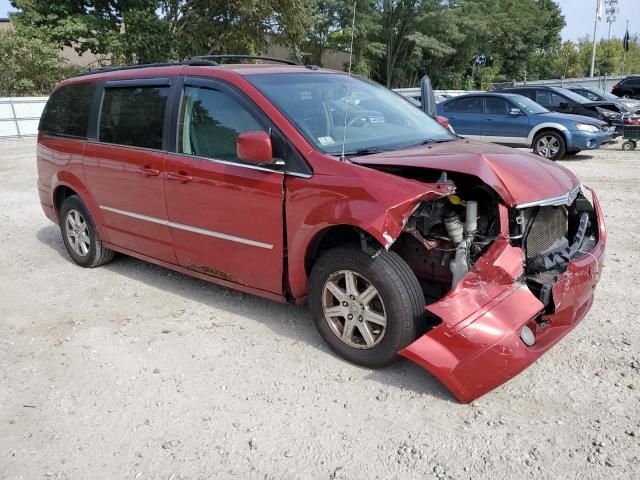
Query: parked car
[[514, 120], [599, 95], [628, 88], [562, 100], [305, 185]]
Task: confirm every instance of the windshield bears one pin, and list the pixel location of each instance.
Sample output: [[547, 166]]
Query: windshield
[[320, 104], [605, 95], [573, 95], [528, 105]]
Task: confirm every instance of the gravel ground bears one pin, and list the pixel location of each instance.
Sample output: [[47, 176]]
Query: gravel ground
[[133, 371]]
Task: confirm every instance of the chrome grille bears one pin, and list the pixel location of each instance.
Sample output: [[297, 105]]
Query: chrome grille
[[549, 225]]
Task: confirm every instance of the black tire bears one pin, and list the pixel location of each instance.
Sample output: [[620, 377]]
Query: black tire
[[399, 291], [628, 146], [96, 254], [558, 137]]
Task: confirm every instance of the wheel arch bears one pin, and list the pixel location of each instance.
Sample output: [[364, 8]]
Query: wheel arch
[[548, 126], [65, 184], [334, 236]]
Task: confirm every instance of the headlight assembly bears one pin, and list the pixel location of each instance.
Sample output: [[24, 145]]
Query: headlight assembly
[[584, 127]]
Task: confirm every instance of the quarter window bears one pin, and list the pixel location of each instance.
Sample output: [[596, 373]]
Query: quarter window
[[133, 116], [210, 122], [67, 111]]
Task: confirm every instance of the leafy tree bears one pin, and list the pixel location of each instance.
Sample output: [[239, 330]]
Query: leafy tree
[[240, 26], [128, 31], [28, 66]]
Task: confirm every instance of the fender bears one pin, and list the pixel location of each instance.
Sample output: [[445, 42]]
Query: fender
[[373, 201], [548, 125]]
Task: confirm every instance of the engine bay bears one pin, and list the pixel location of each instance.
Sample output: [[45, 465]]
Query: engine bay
[[444, 238]]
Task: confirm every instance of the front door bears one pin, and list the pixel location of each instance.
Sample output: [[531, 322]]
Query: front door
[[123, 170], [500, 126], [225, 216]]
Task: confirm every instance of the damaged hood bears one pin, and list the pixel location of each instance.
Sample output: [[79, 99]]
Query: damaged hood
[[518, 177]]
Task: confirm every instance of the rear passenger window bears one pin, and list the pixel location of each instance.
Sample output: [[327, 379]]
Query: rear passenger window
[[133, 116], [210, 122], [549, 99], [525, 93], [465, 105], [67, 111]]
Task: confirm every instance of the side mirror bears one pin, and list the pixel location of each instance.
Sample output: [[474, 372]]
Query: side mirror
[[254, 147], [428, 97], [564, 105], [442, 121], [515, 112]]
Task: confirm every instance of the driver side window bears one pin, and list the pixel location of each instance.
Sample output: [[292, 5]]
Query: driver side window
[[210, 122]]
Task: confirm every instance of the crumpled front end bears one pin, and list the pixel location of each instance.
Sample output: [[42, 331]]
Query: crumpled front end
[[520, 298]]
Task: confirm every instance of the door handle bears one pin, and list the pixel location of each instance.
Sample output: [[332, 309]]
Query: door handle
[[181, 177], [147, 171]]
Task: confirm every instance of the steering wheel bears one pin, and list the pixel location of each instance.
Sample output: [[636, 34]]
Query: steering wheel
[[365, 124]]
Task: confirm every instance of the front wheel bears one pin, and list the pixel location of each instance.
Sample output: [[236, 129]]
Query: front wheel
[[628, 146], [366, 309], [550, 145]]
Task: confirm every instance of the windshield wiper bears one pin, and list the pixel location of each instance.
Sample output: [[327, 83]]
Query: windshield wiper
[[364, 151], [431, 141]]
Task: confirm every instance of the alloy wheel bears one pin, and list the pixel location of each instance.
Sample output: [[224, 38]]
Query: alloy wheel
[[548, 146], [354, 309], [77, 232]]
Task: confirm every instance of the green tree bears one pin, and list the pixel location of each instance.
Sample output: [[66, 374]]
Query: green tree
[[128, 31], [240, 26], [28, 66]]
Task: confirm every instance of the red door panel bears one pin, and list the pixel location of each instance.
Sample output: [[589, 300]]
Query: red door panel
[[226, 220], [127, 185]]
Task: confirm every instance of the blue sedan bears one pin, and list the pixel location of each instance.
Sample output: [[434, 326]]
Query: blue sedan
[[518, 121]]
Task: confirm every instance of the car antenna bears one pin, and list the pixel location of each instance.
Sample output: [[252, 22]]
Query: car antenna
[[346, 108]]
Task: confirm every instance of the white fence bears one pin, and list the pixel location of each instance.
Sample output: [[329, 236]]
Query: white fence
[[411, 92], [19, 116], [604, 83]]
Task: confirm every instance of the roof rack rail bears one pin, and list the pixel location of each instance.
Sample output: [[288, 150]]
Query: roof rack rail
[[195, 62], [244, 57]]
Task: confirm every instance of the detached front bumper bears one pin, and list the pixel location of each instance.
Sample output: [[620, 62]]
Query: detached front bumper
[[477, 347]]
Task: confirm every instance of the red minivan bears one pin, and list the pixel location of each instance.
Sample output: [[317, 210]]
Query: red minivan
[[309, 185]]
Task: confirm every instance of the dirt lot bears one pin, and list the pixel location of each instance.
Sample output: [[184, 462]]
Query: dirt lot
[[132, 371]]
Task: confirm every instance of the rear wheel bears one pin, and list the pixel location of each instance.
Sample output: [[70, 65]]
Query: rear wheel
[[549, 144], [80, 235], [366, 309], [628, 145]]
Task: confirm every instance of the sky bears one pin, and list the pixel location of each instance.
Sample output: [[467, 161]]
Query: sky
[[579, 15]]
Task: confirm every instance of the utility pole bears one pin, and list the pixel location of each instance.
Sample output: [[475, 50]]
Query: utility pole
[[597, 18]]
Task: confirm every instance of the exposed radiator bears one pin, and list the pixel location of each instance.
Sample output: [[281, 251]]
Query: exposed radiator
[[549, 225]]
